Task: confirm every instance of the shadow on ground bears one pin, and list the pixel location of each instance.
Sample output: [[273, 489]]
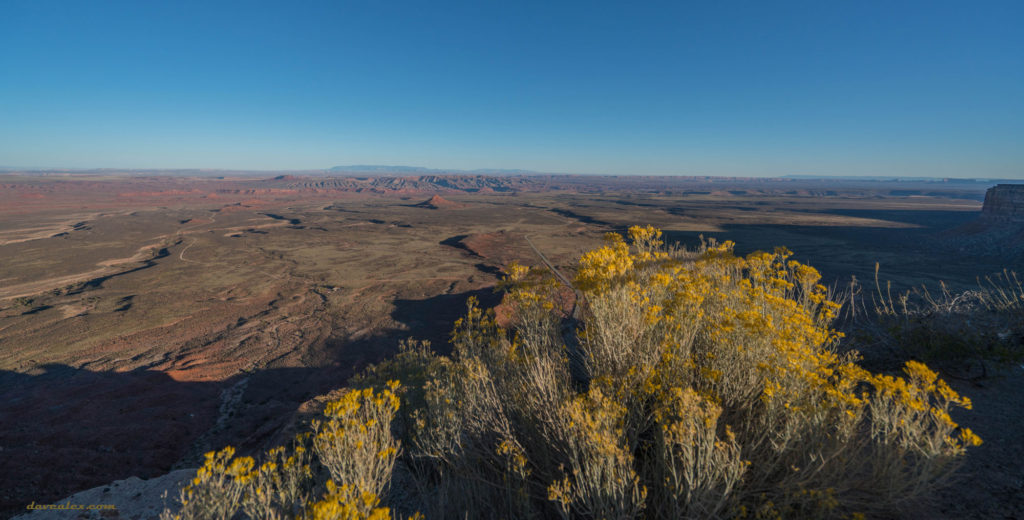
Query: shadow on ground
[[67, 429], [432, 318], [908, 257]]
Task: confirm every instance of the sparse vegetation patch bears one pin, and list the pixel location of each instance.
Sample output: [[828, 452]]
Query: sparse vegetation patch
[[968, 334]]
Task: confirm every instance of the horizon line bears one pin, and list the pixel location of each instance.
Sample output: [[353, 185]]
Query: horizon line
[[396, 170]]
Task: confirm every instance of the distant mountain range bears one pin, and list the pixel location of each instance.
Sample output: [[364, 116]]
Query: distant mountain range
[[384, 169], [381, 170], [886, 178]]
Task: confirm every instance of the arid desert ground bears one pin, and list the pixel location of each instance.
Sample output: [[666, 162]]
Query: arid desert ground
[[146, 320]]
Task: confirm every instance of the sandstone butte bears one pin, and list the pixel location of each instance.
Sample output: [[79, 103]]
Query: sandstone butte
[[1004, 202]]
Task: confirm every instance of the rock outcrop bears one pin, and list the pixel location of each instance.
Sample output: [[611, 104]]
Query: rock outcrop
[[439, 202], [1004, 202], [999, 231]]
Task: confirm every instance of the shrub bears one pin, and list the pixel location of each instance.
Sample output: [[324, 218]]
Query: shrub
[[712, 388], [685, 384], [355, 444], [347, 461]]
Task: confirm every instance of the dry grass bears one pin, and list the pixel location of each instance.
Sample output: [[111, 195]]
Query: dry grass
[[968, 334]]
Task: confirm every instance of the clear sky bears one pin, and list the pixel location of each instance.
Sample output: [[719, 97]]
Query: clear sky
[[750, 88]]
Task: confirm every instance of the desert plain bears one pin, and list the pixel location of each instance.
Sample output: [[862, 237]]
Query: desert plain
[[145, 320]]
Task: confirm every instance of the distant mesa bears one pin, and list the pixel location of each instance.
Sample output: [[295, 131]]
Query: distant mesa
[[1004, 202], [439, 202], [999, 231], [380, 169]]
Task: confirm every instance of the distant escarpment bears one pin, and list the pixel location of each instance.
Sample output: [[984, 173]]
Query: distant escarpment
[[1004, 202], [999, 231]]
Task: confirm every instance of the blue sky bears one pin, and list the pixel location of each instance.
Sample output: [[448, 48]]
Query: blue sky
[[693, 88]]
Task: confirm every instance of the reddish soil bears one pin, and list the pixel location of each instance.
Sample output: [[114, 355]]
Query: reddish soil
[[439, 202], [140, 399], [145, 399], [501, 247]]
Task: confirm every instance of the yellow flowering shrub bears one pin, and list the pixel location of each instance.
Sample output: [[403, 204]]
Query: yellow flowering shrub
[[601, 480], [352, 445], [217, 489], [278, 487], [355, 443], [696, 469], [346, 502], [691, 384], [712, 388]]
